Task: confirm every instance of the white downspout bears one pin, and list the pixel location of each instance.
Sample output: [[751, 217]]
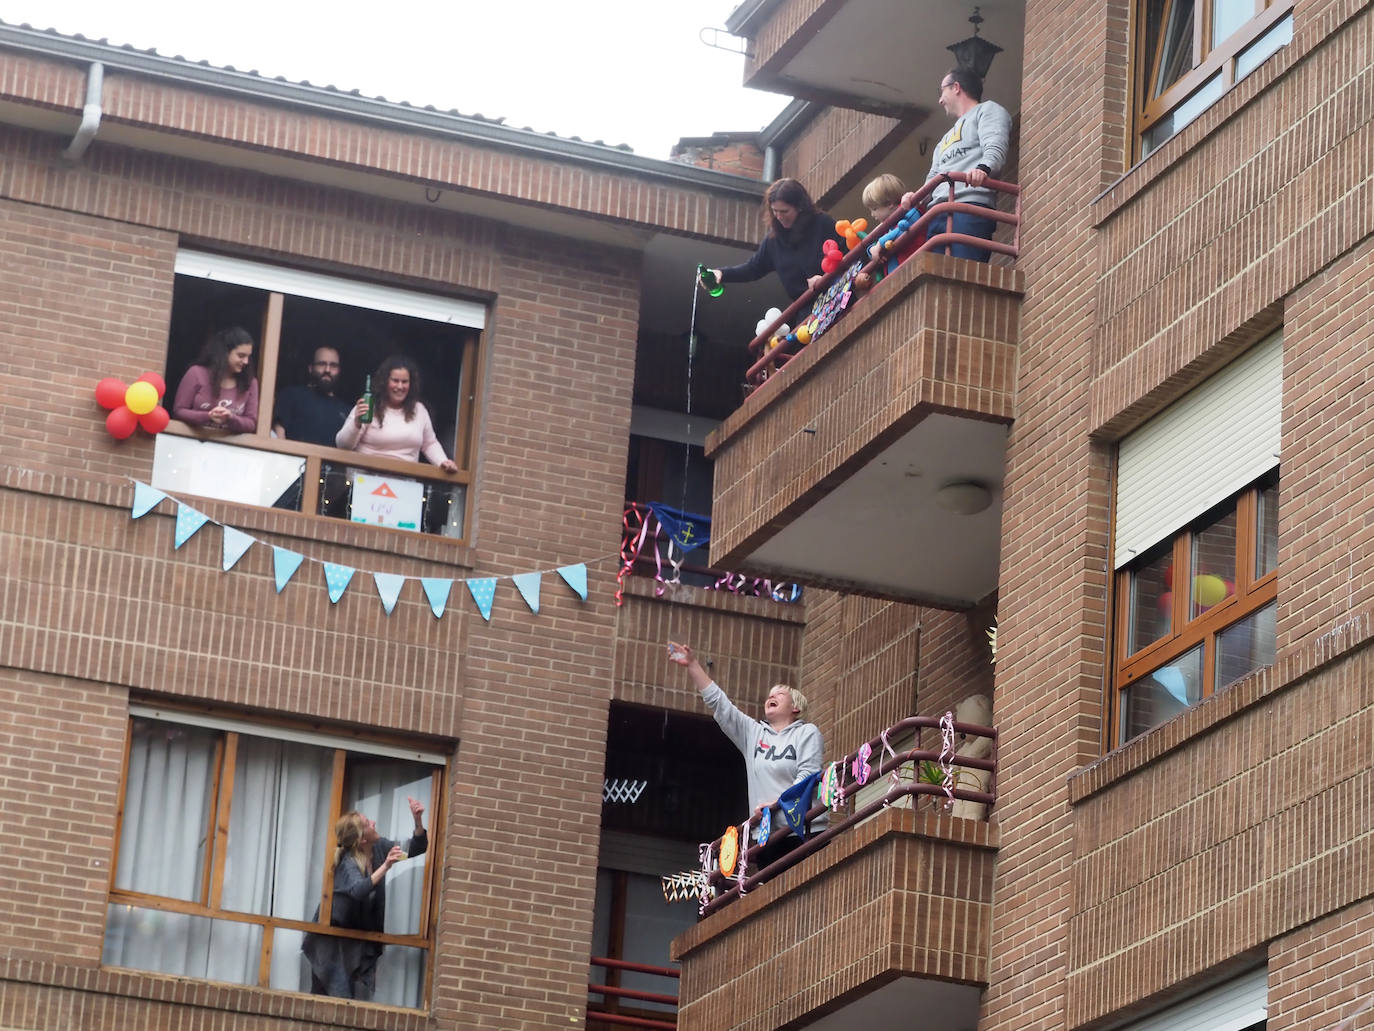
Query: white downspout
[[90, 114]]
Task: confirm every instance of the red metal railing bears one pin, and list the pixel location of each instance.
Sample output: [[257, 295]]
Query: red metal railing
[[769, 360], [647, 550], [726, 890], [611, 993]]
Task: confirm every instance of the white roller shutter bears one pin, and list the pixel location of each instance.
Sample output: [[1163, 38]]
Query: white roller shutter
[[328, 288], [1232, 1006], [1200, 450]]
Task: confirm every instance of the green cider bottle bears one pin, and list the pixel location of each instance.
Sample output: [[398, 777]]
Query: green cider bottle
[[366, 417], [713, 286]]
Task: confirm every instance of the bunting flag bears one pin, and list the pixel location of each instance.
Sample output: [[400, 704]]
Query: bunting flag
[[528, 585], [284, 565], [687, 531], [437, 592], [146, 499], [236, 542], [388, 589], [483, 593], [336, 578], [188, 522], [576, 578]]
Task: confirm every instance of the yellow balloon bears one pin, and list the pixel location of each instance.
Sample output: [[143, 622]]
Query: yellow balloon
[[803, 335], [1209, 589], [141, 397]]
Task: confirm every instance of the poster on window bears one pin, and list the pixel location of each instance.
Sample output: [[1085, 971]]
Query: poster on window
[[387, 501]]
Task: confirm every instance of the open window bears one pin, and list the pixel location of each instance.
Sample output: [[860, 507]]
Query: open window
[[225, 845], [1190, 52], [1197, 544], [301, 324]]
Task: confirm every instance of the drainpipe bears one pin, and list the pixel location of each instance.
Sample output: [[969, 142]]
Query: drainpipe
[[90, 114], [770, 163]]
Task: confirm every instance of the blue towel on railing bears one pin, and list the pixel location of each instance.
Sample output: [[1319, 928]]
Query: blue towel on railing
[[688, 531], [796, 801]]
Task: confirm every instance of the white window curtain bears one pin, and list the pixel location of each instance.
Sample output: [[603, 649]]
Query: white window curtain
[[280, 838]]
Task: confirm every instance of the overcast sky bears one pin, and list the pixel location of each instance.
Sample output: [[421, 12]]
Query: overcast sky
[[622, 71]]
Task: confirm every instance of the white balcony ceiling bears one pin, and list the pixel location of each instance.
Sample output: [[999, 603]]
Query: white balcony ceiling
[[882, 530]]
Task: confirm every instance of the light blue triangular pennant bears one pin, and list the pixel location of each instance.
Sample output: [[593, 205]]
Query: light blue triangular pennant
[[336, 578], [436, 591], [236, 542], [145, 499], [284, 564], [576, 578], [483, 592], [529, 588], [188, 522], [388, 589]]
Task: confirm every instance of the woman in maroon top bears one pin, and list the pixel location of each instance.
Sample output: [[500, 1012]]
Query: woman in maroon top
[[220, 391]]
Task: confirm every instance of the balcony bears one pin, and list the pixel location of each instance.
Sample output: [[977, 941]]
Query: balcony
[[883, 436], [884, 915]]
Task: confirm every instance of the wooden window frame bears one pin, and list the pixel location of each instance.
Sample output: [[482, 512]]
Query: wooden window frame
[[1252, 593], [209, 905], [315, 456], [1208, 58]]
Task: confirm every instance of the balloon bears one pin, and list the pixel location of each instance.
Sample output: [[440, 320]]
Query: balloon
[[109, 392], [121, 423], [155, 421], [159, 384], [771, 315], [1208, 590], [141, 397]]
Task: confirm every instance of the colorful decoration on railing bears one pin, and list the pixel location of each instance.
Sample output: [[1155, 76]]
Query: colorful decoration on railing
[[688, 886], [622, 790], [947, 756], [861, 768], [337, 577], [853, 232], [831, 256], [743, 858], [757, 587], [795, 802], [729, 851], [832, 791], [132, 406], [896, 771], [765, 827], [779, 335]]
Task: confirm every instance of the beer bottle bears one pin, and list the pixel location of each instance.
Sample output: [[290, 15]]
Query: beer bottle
[[366, 417], [709, 281]]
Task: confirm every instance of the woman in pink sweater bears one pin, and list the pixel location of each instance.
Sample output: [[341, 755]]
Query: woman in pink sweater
[[400, 427]]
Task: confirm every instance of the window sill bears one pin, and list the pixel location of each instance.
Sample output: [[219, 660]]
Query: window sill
[[159, 991], [1292, 666]]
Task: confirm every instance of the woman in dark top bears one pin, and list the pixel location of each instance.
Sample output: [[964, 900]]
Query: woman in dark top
[[792, 246], [345, 967]]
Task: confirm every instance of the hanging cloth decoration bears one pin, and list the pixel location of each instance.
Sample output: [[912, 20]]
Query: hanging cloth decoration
[[686, 530], [388, 589], [947, 756], [188, 522], [861, 768], [236, 543], [795, 803], [765, 826], [832, 792]]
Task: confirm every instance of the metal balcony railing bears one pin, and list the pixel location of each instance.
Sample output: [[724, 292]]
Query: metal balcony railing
[[648, 548], [945, 775], [769, 356], [608, 1010]]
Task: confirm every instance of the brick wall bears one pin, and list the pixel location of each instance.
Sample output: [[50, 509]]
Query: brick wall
[[839, 149], [1324, 972]]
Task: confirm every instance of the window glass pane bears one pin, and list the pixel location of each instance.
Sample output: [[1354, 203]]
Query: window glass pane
[[1162, 695], [386, 499], [1246, 646], [1174, 121], [1228, 16], [1214, 563], [178, 943], [210, 469], [1151, 598], [167, 819], [379, 789], [279, 828], [401, 977], [1267, 537], [1280, 34], [1176, 47]]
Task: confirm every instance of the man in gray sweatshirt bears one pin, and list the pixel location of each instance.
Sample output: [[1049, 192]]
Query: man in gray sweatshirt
[[780, 750], [977, 144]]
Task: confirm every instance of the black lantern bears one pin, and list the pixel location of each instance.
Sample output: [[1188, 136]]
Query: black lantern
[[975, 53]]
